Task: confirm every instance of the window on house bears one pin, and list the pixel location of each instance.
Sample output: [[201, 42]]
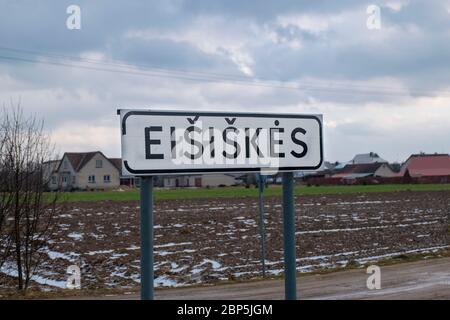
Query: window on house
[[53, 179], [107, 178], [91, 179], [64, 179], [98, 163], [65, 164]]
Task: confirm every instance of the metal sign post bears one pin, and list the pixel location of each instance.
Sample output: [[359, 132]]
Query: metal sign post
[[147, 238], [261, 179], [290, 269]]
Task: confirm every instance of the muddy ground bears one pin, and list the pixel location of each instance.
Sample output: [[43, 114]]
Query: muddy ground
[[212, 240], [427, 279]]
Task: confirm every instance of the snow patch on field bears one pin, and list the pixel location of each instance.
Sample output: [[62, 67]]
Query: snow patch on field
[[93, 253], [76, 236], [165, 281], [11, 270], [71, 256], [402, 225], [172, 244]]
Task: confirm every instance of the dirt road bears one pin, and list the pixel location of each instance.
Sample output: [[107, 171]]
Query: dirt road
[[428, 279]]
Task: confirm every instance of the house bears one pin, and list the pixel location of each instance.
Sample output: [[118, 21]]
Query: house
[[365, 158], [86, 171], [49, 169], [426, 165], [176, 181], [354, 171], [129, 181]]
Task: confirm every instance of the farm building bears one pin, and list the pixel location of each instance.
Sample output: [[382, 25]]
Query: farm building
[[326, 170], [206, 180], [426, 165], [366, 158], [354, 171], [49, 170]]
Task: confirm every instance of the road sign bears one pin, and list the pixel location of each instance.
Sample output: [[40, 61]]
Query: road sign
[[186, 142], [174, 142]]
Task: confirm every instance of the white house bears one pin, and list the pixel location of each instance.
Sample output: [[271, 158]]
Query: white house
[[85, 171]]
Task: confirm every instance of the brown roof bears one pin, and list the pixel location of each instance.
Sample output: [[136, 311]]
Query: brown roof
[[117, 162], [427, 165], [79, 159]]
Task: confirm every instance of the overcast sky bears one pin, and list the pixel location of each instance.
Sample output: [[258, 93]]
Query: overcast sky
[[385, 90]]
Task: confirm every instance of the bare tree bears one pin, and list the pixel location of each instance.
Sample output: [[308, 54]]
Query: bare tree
[[27, 212], [5, 201]]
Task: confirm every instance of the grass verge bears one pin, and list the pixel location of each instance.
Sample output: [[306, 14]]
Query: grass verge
[[242, 192]]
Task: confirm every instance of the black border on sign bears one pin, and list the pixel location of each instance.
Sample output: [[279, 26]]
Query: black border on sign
[[218, 114]]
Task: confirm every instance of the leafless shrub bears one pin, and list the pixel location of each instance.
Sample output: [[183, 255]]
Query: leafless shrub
[[27, 212]]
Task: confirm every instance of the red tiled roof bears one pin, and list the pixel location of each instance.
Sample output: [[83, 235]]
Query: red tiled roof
[[428, 165]]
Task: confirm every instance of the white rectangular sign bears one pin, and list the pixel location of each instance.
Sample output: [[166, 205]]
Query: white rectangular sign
[[186, 142]]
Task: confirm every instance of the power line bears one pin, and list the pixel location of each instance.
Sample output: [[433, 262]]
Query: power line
[[124, 64], [191, 73], [126, 68], [189, 76], [216, 76], [150, 74]]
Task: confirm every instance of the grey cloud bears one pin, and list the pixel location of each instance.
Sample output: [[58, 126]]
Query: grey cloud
[[166, 54], [416, 55], [267, 10]]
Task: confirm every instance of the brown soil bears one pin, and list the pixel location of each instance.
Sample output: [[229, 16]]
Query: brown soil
[[212, 240]]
